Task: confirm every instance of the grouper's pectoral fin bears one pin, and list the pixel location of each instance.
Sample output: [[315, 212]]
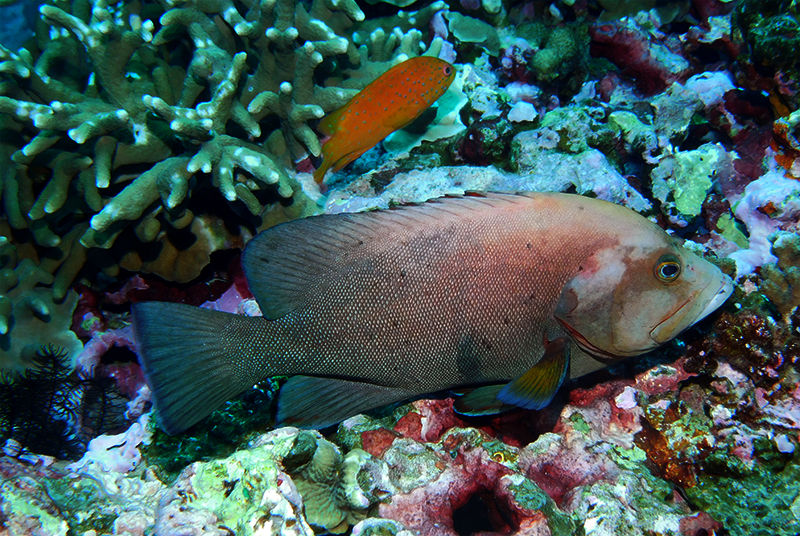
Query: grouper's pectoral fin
[[533, 390], [537, 387], [310, 402]]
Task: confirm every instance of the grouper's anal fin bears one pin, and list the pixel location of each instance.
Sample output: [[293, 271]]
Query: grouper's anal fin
[[311, 402], [190, 364]]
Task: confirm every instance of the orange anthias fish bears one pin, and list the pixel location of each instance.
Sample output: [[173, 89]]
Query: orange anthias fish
[[391, 102]]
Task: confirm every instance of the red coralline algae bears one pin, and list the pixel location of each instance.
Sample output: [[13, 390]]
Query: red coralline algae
[[704, 9], [127, 377], [664, 379], [429, 510], [586, 397], [436, 418], [700, 524], [565, 466], [377, 441], [653, 65], [410, 426]]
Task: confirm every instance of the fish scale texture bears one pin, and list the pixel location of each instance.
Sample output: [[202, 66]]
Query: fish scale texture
[[423, 298], [368, 309]]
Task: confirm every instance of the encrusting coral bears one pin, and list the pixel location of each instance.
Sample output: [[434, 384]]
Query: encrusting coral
[[781, 280]]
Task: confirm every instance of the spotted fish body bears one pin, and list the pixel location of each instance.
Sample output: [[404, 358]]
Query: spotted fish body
[[389, 103], [371, 308]]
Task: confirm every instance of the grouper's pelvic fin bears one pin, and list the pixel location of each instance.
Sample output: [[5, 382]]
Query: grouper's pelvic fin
[[190, 366]]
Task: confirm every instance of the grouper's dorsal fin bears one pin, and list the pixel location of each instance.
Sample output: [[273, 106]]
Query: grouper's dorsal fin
[[289, 263]]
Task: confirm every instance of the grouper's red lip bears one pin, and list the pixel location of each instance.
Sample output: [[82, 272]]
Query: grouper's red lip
[[597, 353]]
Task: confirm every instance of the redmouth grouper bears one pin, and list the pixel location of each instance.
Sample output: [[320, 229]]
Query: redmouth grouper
[[510, 293], [391, 102]]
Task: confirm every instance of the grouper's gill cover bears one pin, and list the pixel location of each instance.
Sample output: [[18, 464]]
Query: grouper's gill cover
[[371, 308]]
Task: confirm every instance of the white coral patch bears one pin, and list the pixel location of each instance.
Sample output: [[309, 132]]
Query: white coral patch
[[139, 134], [250, 161]]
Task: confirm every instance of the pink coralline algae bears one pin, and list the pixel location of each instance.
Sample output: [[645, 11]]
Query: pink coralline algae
[[653, 63], [442, 479]]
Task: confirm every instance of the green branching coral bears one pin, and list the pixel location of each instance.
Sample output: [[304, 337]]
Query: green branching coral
[[29, 317], [98, 99], [119, 114]]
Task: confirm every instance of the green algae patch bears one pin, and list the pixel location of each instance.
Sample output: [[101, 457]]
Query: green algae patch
[[84, 504], [579, 423], [730, 231], [18, 501], [220, 434], [686, 177], [640, 136], [531, 497], [759, 503]]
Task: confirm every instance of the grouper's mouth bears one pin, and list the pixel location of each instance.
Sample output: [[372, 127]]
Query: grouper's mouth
[[688, 314]]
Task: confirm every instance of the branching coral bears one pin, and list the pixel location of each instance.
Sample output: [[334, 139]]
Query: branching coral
[[121, 116], [122, 112], [29, 317], [88, 129]]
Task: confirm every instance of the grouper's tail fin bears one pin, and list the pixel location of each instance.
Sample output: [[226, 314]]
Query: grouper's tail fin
[[190, 365]]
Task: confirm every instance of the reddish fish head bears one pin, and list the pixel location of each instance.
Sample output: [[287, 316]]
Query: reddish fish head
[[637, 293]]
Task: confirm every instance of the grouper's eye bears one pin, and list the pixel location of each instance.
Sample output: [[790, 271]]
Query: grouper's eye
[[668, 268]]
